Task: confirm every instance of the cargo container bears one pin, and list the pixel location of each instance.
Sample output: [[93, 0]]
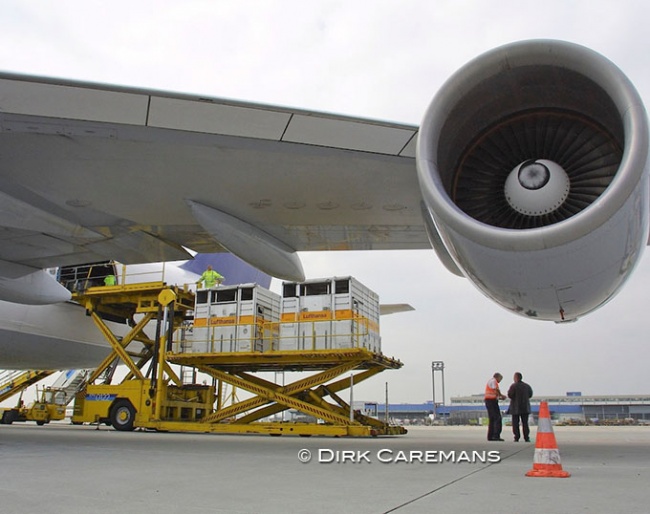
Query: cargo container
[[329, 313], [240, 318]]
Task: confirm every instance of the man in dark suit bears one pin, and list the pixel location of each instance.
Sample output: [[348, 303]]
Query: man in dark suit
[[520, 394]]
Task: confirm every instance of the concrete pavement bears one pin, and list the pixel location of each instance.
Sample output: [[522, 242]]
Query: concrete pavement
[[72, 469]]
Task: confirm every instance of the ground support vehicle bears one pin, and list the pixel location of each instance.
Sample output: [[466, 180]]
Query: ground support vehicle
[[160, 398], [50, 406]]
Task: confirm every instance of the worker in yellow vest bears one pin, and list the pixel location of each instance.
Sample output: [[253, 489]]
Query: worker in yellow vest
[[492, 397], [110, 280], [210, 278]]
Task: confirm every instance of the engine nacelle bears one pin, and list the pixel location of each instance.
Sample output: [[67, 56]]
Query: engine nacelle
[[533, 165]]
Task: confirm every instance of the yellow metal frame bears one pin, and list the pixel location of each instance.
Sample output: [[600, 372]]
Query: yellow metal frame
[[308, 395], [271, 331]]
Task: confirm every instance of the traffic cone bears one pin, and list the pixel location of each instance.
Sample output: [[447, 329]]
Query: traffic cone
[[546, 462]]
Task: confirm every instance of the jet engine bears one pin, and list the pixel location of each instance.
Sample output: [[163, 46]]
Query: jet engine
[[533, 165]]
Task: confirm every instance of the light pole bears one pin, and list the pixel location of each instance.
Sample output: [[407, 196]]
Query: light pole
[[437, 366]]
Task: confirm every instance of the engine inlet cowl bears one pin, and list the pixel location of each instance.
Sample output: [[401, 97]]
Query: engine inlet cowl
[[533, 166]]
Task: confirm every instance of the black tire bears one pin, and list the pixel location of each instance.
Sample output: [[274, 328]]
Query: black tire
[[122, 415], [40, 423], [9, 416]]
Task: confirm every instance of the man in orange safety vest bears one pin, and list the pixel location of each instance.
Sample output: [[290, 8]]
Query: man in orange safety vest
[[492, 397]]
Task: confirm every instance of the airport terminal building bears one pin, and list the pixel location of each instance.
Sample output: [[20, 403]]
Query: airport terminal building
[[571, 408]]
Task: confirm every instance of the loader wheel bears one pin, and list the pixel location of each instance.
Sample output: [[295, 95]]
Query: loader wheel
[[122, 415]]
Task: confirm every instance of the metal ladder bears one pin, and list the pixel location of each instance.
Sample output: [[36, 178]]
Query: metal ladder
[[69, 383]]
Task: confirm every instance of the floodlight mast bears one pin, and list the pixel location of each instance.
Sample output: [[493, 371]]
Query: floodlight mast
[[437, 366]]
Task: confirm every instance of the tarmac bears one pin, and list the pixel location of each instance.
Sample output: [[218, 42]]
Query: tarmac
[[81, 469]]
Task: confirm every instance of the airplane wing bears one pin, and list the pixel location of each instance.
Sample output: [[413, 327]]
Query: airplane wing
[[531, 180], [91, 172]]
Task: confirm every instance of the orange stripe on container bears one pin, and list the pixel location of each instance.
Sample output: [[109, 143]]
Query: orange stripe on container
[[316, 316], [228, 320]]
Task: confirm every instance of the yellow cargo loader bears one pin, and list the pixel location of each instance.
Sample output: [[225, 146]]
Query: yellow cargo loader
[[49, 407], [132, 404], [166, 398]]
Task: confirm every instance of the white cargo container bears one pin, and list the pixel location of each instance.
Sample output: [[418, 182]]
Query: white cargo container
[[223, 319], [330, 313], [241, 318], [197, 338], [259, 313], [289, 322]]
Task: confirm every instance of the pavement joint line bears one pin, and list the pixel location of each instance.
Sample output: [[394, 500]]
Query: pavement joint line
[[429, 493]]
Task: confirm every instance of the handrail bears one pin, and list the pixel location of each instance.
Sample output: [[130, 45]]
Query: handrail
[[270, 332]]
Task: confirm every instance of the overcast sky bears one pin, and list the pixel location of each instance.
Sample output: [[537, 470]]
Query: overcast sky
[[381, 60]]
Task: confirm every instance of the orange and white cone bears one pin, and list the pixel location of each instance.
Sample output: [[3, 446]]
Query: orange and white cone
[[546, 462]]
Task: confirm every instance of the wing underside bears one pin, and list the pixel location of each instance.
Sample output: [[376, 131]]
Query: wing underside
[[89, 172]]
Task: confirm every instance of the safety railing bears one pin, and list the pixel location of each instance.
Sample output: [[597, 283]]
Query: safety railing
[[81, 277], [273, 336]]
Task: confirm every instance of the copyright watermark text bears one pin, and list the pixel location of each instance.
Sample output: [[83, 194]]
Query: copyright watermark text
[[388, 456]]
